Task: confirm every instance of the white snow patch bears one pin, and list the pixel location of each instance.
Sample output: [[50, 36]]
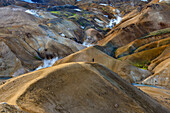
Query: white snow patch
[[106, 16], [82, 27], [85, 43], [118, 20], [144, 0], [117, 11], [78, 10], [115, 21], [103, 4], [33, 12], [63, 35], [111, 24], [29, 1], [47, 63], [98, 21]]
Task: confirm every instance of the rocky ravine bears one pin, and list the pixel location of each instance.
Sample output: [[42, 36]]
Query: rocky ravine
[[97, 49]]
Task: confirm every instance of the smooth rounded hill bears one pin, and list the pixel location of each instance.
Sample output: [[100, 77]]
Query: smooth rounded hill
[[76, 88], [125, 70]]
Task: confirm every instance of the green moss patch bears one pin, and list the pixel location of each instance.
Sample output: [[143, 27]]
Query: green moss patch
[[141, 66], [56, 12], [158, 32]]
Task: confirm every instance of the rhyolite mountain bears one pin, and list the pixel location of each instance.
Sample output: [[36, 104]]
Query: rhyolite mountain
[[75, 87], [100, 56]]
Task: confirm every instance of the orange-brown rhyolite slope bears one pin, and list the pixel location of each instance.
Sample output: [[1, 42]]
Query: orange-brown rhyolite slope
[[27, 40], [161, 95], [76, 88], [92, 54], [142, 39], [125, 6], [152, 17], [150, 52]]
